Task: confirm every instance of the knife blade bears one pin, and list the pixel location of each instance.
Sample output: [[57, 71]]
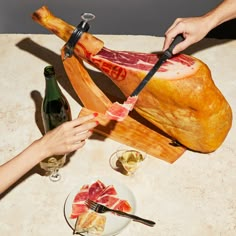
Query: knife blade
[[124, 109], [166, 55]]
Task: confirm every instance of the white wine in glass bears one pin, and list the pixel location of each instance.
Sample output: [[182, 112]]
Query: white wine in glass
[[52, 165]]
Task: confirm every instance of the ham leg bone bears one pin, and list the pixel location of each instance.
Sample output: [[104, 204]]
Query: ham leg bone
[[181, 99]]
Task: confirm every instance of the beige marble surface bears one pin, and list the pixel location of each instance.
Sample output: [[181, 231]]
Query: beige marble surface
[[194, 196]]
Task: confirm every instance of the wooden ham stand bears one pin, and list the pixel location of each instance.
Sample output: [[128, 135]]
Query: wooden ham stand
[[130, 132]]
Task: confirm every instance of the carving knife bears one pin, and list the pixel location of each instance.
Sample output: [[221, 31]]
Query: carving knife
[[166, 55], [128, 105]]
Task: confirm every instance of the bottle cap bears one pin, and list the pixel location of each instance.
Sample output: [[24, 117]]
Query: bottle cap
[[49, 71]]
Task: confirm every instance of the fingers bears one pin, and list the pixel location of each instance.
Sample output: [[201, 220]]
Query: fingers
[[81, 130], [84, 127], [83, 119], [70, 147], [77, 146], [82, 136], [176, 22], [183, 45], [69, 136], [171, 33], [77, 141], [193, 29]]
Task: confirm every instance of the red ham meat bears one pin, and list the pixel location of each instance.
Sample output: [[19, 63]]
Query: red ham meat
[[78, 209], [78, 205], [95, 190], [122, 205], [98, 192], [181, 99], [120, 111], [114, 203], [109, 190]]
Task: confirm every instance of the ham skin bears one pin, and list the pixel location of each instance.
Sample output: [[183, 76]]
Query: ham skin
[[181, 99]]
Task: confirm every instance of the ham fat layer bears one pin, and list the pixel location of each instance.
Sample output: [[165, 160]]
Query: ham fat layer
[[173, 68]]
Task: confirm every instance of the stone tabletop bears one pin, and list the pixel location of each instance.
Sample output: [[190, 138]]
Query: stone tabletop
[[196, 195]]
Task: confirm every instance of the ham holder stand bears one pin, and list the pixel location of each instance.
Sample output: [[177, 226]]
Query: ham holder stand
[[133, 131]]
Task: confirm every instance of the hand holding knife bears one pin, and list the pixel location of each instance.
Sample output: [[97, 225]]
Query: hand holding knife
[[166, 55]]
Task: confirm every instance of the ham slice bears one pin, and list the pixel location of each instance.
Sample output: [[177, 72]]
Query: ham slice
[[114, 203], [181, 99], [98, 192], [118, 111], [95, 190], [109, 190], [78, 205]]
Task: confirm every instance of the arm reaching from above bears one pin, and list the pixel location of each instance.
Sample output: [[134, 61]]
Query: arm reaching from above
[[66, 138], [196, 28]]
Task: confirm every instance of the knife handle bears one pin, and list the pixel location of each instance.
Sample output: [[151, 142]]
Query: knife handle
[[178, 39], [166, 55], [134, 217]]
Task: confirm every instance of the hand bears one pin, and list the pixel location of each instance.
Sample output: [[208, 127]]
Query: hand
[[193, 30], [67, 137]]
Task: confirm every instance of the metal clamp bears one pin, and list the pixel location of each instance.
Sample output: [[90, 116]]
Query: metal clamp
[[77, 33]]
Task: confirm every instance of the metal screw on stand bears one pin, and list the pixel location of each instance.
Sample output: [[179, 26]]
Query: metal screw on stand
[[87, 17], [77, 33]]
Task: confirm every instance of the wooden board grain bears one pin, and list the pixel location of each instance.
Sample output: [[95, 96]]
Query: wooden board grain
[[132, 132]]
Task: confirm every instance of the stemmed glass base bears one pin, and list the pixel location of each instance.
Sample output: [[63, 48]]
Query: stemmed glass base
[[55, 176], [127, 161], [52, 165]]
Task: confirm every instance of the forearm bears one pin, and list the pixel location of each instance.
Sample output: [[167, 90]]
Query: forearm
[[225, 11], [64, 139], [14, 169]]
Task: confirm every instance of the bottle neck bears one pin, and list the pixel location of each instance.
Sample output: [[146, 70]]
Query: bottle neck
[[52, 91]]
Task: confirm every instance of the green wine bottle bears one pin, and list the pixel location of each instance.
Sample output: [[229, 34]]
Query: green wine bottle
[[55, 110], [55, 107]]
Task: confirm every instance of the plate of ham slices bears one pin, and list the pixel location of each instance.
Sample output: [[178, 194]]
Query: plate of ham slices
[[106, 191]]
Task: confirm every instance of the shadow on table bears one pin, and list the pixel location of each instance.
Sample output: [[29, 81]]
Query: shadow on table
[[205, 44], [54, 59]]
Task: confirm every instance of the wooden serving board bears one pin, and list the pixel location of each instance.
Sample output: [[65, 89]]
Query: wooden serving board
[[132, 132]]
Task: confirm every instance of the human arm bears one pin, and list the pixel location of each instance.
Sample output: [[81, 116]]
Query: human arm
[[196, 28], [66, 138]]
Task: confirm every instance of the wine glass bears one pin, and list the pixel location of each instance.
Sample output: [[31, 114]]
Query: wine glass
[[127, 160], [52, 165]]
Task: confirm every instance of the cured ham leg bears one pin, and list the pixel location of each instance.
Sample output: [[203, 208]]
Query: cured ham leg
[[132, 99], [181, 99], [86, 88]]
